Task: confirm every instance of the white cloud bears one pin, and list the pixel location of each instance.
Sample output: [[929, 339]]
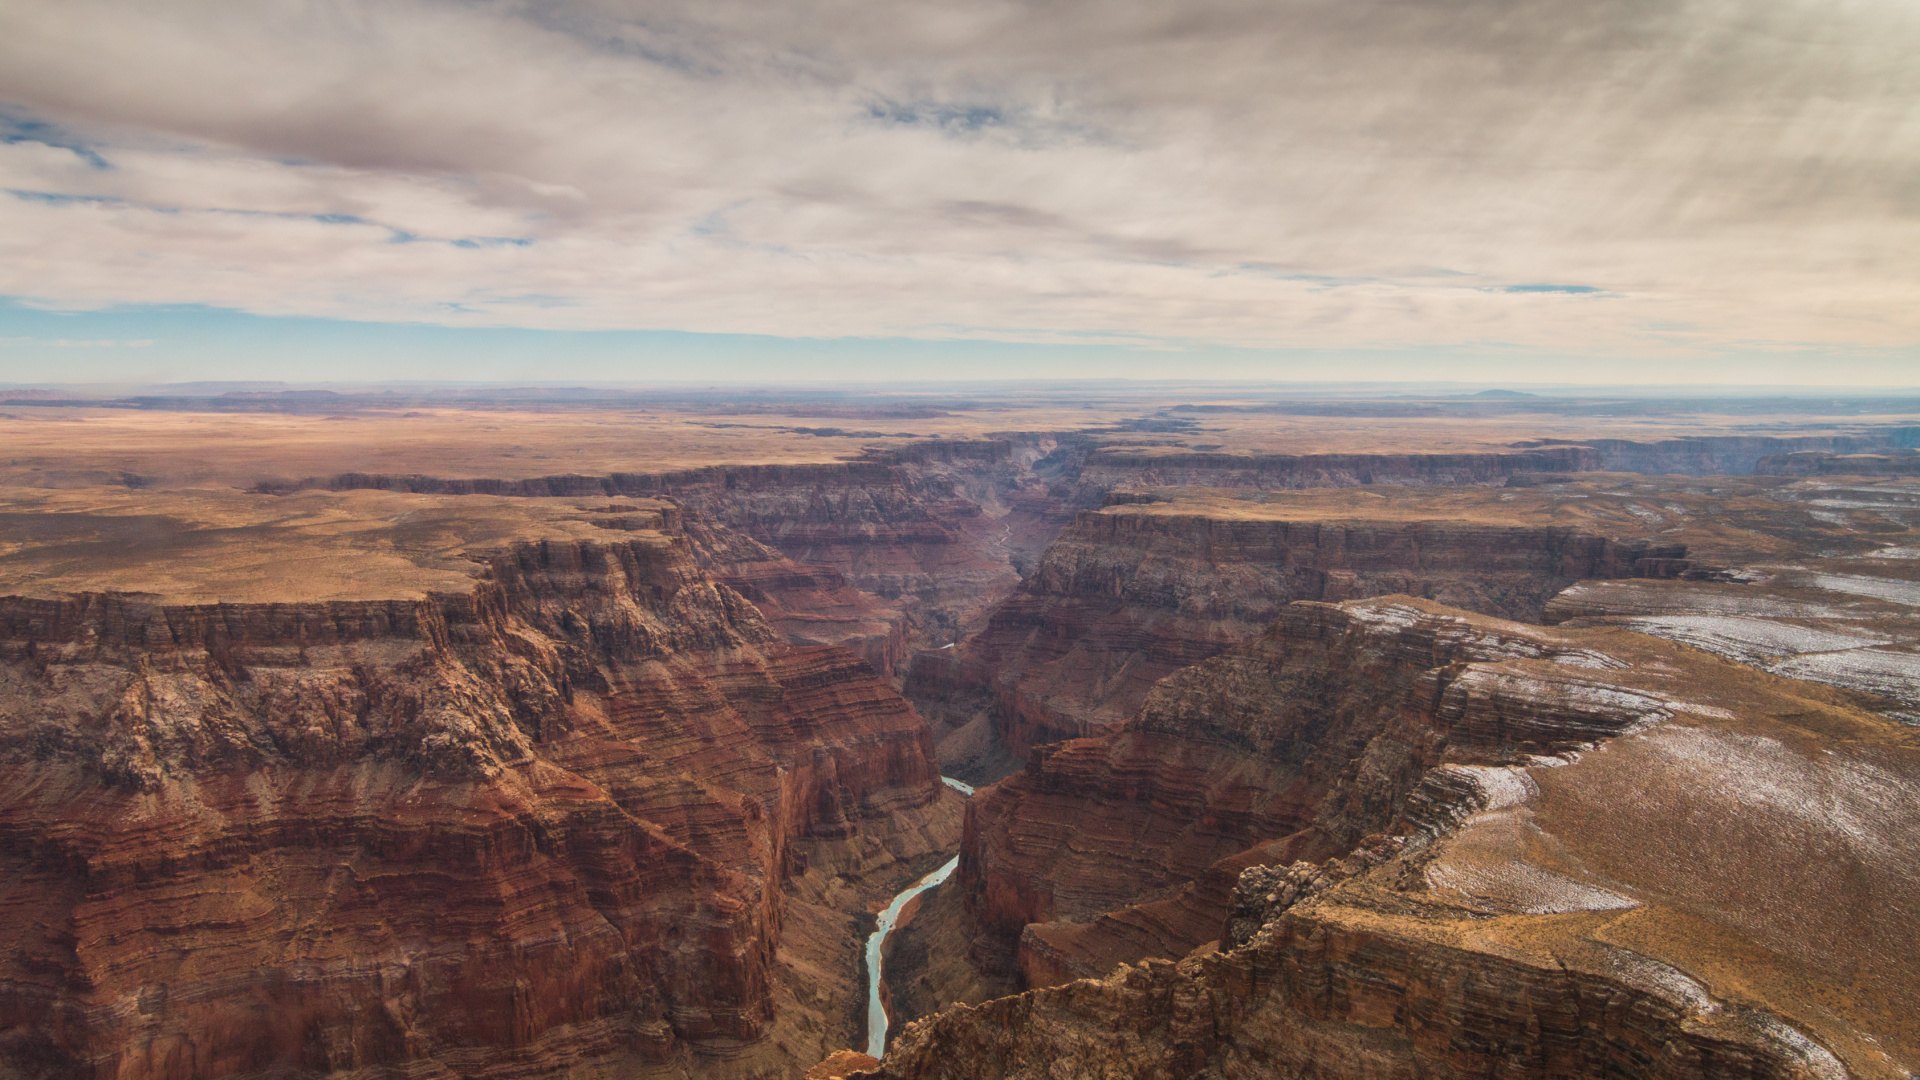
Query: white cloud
[[1314, 173]]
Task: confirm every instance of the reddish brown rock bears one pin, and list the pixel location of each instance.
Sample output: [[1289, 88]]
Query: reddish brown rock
[[1128, 595], [807, 605], [905, 524], [1127, 845], [840, 1065], [1586, 853], [541, 826]]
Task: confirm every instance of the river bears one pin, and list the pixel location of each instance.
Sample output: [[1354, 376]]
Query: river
[[877, 1013]]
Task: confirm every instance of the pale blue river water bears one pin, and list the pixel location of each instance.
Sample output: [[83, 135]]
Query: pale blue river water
[[876, 1013]]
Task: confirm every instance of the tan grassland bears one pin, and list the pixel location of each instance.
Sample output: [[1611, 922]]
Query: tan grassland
[[211, 545]]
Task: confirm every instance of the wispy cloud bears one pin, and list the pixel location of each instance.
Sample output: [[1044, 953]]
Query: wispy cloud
[[1221, 172]]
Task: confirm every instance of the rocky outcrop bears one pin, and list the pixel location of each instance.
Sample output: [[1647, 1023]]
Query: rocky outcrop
[[1541, 853], [1340, 1001], [840, 1065], [1125, 597], [538, 828]]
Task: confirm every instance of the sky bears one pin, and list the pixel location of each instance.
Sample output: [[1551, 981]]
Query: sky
[[1637, 191]]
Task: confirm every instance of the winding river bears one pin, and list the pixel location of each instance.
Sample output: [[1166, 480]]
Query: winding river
[[877, 1013]]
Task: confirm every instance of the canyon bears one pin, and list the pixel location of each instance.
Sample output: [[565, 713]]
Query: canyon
[[547, 818], [1460, 846], [342, 741]]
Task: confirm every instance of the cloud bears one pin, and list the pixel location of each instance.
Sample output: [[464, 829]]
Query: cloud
[[1350, 173]]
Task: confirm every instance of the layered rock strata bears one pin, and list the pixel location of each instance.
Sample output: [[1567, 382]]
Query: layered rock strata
[[1128, 845], [917, 526], [1476, 849], [1115, 467], [1101, 467], [1125, 597], [805, 604], [1727, 455], [543, 827], [1822, 463]]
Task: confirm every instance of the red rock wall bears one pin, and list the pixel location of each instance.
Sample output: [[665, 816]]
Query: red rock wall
[[1316, 733], [1317, 739], [1122, 600], [537, 826], [1322, 999], [902, 522]]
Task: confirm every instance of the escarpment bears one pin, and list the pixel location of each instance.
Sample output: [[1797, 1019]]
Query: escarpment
[[926, 530], [1731, 455], [1132, 593], [1303, 740], [1453, 846], [545, 826], [1109, 468]]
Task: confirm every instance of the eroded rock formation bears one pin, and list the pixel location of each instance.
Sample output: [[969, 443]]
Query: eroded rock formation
[[905, 523], [1129, 594], [541, 826], [1472, 848]]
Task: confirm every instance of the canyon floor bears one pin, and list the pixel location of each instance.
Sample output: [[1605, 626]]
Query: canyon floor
[[463, 733]]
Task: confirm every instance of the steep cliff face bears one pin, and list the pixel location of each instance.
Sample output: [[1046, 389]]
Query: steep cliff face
[[1128, 845], [805, 604], [1825, 463], [536, 827], [1514, 851], [1116, 467], [1125, 597], [1099, 468], [1727, 455], [918, 527]]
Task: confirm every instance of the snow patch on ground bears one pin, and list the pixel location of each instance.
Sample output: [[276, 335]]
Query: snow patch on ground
[[1833, 793], [1518, 886], [1885, 672], [1893, 590], [1750, 640], [1500, 786], [1634, 598]]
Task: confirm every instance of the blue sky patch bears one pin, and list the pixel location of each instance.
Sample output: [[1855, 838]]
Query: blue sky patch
[[14, 129]]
